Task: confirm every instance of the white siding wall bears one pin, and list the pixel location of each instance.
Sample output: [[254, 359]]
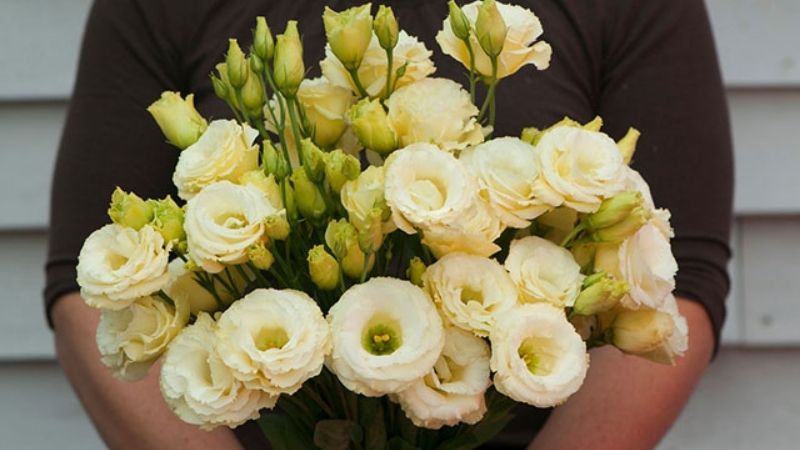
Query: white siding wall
[[758, 46]]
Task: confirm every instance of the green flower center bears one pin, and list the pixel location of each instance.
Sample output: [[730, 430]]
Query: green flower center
[[271, 337], [382, 338], [116, 261], [538, 360], [471, 295], [232, 220]]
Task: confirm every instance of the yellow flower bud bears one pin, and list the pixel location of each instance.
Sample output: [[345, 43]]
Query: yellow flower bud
[[531, 135], [220, 87], [342, 238], [290, 203], [490, 28], [641, 331], [289, 70], [260, 256], [614, 210], [386, 27], [323, 268], [263, 44], [277, 227], [458, 21], [313, 160], [253, 96], [340, 168], [129, 210], [310, 202], [224, 86], [627, 145], [415, 270], [370, 231], [168, 220], [236, 64], [371, 125], [266, 184], [601, 292], [625, 228], [274, 163], [349, 33], [178, 119]]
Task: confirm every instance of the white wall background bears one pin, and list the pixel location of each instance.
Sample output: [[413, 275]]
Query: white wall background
[[749, 399]]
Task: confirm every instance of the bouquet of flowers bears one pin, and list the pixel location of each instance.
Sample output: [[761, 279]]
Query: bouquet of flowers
[[360, 253]]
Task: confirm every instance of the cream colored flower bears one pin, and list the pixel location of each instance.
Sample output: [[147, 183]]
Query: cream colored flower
[[183, 286], [506, 169], [224, 152], [523, 30], [222, 221], [645, 262], [326, 106], [471, 291], [474, 233], [274, 340], [436, 111], [544, 271], [635, 182], [199, 388], [426, 187], [453, 391], [364, 194], [579, 168], [538, 357], [372, 71], [660, 335], [386, 335], [131, 339], [117, 265]]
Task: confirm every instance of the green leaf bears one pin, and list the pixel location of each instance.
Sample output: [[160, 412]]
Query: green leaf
[[336, 434], [283, 433], [371, 417]]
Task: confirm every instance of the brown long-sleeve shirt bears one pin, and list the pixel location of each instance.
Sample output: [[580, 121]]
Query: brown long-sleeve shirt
[[650, 64]]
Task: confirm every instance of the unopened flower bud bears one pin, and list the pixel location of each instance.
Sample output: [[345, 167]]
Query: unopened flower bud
[[601, 292], [236, 64], [386, 28], [168, 220], [253, 97], [260, 256], [263, 44], [531, 135], [458, 21], [625, 228], [593, 125], [340, 168], [256, 63], [370, 231], [288, 68], [313, 160], [178, 119], [310, 202], [129, 210], [323, 268], [225, 84], [290, 203], [415, 270], [342, 237], [371, 125], [264, 183], [614, 210], [349, 33], [640, 331], [220, 88], [490, 28], [627, 145], [274, 162], [277, 227]]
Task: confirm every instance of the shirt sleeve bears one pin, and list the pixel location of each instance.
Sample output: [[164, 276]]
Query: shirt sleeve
[[662, 76], [109, 139]]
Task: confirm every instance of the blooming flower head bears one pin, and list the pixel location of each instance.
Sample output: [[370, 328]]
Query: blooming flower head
[[544, 271], [386, 335], [538, 357]]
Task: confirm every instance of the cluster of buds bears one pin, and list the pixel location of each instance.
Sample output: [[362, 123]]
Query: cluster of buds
[[164, 216], [618, 218]]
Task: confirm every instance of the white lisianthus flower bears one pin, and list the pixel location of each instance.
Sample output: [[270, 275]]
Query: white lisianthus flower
[[372, 72], [225, 151], [426, 187], [222, 221], [544, 272], [645, 262], [117, 265], [519, 49], [506, 169], [182, 286], [131, 339], [579, 168], [678, 341], [325, 105], [453, 391], [436, 111], [386, 335], [364, 194], [274, 340], [474, 233], [471, 291], [538, 357], [199, 388]]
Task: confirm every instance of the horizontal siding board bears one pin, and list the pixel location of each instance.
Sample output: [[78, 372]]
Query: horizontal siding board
[[41, 38]]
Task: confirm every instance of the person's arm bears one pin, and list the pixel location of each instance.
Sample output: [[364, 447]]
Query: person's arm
[[127, 415], [627, 402]]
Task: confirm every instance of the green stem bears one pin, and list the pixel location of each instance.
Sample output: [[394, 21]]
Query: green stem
[[321, 403], [472, 78], [573, 234], [364, 271], [354, 75], [292, 105], [389, 62], [165, 297]]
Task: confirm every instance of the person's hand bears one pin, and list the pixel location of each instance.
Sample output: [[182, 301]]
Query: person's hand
[[626, 402], [127, 415]]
